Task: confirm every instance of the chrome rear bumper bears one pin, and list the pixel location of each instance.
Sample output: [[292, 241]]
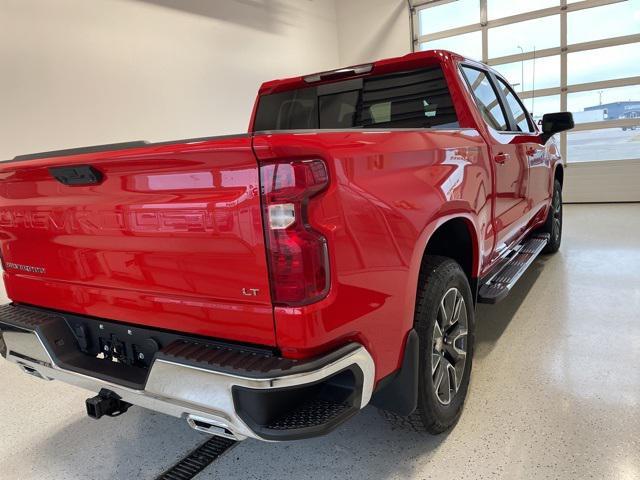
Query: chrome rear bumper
[[206, 398]]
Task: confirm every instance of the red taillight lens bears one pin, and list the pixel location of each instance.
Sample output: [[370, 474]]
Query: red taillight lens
[[297, 254]]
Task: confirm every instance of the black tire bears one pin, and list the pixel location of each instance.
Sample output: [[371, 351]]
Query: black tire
[[553, 223], [438, 276]]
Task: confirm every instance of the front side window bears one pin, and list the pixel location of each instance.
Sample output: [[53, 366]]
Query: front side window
[[520, 116], [414, 99], [486, 98]]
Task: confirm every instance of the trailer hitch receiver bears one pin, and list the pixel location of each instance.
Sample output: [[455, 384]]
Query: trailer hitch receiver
[[106, 403]]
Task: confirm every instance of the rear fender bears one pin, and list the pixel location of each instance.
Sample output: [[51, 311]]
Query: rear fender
[[420, 251]]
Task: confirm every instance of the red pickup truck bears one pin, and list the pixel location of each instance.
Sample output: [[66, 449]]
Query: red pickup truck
[[272, 284]]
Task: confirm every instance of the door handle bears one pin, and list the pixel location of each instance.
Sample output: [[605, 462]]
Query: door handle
[[74, 175], [501, 157]]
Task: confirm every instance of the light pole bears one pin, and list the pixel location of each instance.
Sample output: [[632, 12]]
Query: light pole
[[521, 70]]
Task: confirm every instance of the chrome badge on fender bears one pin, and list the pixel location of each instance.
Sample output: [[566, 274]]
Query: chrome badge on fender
[[25, 268]]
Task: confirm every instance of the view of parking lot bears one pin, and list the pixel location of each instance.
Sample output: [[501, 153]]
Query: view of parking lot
[[604, 144]]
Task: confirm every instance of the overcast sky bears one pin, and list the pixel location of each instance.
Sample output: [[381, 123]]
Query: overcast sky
[[583, 25]]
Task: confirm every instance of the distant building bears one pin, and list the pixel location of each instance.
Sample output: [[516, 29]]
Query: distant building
[[628, 109], [591, 115]]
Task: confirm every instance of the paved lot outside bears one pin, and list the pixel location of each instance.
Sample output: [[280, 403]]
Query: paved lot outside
[[606, 144]]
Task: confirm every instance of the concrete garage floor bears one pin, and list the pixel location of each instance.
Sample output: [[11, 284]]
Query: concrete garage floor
[[555, 393]]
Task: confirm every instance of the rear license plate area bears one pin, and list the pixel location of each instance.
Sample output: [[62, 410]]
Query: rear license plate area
[[115, 343]]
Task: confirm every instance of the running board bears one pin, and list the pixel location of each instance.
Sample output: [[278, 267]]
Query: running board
[[498, 285]]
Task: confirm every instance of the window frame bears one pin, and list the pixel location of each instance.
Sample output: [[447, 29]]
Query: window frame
[[504, 104], [501, 101], [512, 120], [487, 74]]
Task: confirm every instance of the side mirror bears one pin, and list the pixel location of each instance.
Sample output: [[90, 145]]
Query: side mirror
[[553, 123]]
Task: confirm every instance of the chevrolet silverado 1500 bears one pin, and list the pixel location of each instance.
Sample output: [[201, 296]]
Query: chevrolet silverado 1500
[[272, 284]]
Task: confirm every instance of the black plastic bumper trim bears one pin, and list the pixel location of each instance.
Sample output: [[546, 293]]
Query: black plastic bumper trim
[[303, 411], [245, 363]]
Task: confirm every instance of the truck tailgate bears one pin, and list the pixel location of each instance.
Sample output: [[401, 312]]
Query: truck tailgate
[[170, 237]]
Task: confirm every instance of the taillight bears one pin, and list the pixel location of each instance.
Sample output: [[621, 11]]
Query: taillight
[[297, 254]]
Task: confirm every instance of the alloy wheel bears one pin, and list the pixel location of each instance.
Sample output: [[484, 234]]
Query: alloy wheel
[[449, 349]]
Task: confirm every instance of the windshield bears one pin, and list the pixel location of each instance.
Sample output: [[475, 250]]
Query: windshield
[[414, 99]]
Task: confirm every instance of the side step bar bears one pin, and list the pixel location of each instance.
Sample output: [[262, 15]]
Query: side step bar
[[499, 284]]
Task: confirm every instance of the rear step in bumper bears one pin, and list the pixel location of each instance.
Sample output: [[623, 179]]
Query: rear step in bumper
[[273, 406]]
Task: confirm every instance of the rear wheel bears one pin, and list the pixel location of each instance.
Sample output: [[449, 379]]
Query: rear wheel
[[444, 321]]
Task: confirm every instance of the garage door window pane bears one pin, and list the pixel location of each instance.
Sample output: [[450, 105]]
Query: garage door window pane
[[538, 106], [605, 144], [506, 8], [450, 15], [468, 45], [547, 73], [607, 21], [605, 104], [538, 33], [604, 64]]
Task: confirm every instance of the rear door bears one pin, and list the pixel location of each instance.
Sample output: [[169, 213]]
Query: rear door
[[168, 236], [511, 170]]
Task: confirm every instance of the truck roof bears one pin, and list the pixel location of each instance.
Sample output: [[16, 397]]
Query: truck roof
[[387, 65]]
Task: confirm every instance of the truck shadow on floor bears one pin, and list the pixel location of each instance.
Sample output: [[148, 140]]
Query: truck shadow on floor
[[492, 320]]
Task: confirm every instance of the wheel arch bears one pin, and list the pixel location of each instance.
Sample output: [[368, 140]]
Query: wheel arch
[[455, 238]]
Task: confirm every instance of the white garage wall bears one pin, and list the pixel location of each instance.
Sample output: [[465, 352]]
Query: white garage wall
[[369, 30], [78, 72]]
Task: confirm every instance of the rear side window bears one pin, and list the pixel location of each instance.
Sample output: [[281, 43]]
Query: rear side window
[[520, 115], [486, 98], [415, 99], [288, 110]]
